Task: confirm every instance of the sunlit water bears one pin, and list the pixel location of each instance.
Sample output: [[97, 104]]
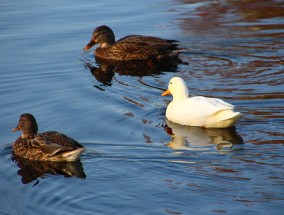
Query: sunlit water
[[135, 161]]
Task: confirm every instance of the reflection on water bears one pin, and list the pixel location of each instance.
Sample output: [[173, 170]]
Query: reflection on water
[[213, 15], [197, 138], [104, 70], [104, 73], [32, 170], [258, 9], [235, 53]]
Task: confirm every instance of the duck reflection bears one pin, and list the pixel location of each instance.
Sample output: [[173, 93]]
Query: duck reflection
[[197, 138], [106, 69], [32, 170], [103, 73]]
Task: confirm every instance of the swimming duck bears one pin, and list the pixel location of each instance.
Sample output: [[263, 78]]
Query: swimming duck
[[198, 110], [132, 47], [47, 146]]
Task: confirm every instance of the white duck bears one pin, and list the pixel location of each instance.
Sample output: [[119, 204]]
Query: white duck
[[198, 111]]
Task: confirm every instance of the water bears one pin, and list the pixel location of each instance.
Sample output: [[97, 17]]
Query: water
[[136, 162]]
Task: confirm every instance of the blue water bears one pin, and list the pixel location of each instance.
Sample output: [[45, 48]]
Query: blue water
[[134, 163]]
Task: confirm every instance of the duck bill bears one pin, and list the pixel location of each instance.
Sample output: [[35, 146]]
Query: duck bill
[[16, 129], [89, 45], [167, 92]]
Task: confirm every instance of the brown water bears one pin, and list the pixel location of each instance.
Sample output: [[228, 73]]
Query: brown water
[[132, 163]]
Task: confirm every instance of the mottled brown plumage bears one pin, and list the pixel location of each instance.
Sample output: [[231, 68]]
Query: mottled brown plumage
[[132, 47], [47, 146]]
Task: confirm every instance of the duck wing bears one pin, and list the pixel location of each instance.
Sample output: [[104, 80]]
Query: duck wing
[[61, 139], [195, 111], [147, 41], [53, 142], [205, 107]]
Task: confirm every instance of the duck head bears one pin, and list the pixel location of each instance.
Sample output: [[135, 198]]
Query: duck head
[[102, 35], [27, 124], [177, 88]]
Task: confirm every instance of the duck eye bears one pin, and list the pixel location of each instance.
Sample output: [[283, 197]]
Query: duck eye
[[171, 82]]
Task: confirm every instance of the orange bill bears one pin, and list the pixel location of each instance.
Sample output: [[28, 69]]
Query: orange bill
[[16, 129], [167, 92], [87, 47]]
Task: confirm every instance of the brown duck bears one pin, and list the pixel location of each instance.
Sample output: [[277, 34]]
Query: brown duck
[[132, 47], [47, 146]]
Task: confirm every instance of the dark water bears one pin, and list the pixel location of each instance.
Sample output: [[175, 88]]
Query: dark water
[[132, 163]]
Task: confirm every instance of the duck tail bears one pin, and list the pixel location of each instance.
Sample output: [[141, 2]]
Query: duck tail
[[231, 120], [73, 155], [234, 116], [224, 119], [180, 50]]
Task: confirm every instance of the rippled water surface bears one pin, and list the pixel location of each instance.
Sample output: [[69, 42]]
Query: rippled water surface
[[135, 161]]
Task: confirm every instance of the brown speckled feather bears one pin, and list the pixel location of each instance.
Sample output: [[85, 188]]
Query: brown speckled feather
[[59, 139], [47, 146], [132, 47]]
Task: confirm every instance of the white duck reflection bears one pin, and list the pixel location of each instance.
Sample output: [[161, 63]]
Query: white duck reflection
[[197, 138]]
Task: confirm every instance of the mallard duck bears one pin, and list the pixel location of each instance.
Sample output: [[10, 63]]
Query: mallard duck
[[47, 146], [132, 47], [199, 110]]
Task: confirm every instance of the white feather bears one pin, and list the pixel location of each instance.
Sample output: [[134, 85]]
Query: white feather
[[199, 110]]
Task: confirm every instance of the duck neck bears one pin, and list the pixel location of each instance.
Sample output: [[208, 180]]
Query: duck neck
[[181, 96], [105, 45], [27, 134], [107, 40]]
